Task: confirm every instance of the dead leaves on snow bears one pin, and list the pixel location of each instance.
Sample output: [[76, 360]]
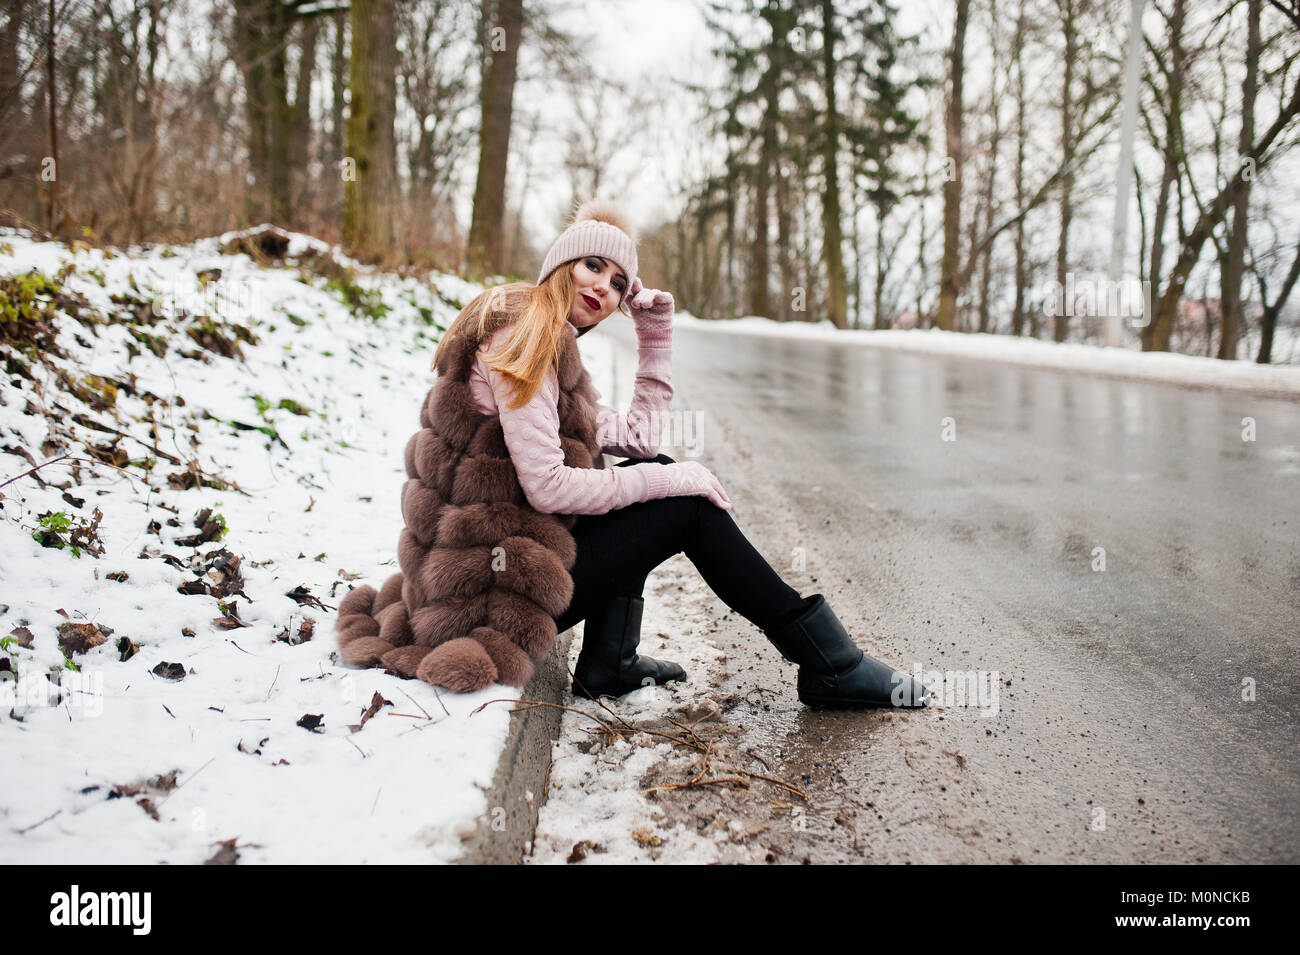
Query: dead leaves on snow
[[304, 596], [580, 850], [218, 574], [228, 854], [312, 722], [305, 631], [209, 529], [80, 637], [156, 785], [376, 702]]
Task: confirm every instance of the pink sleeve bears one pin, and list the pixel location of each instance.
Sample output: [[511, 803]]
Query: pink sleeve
[[637, 434], [532, 436]]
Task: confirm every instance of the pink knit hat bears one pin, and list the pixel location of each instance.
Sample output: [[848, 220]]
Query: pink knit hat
[[598, 228]]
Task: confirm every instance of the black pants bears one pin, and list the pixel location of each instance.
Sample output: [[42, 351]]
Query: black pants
[[617, 550]]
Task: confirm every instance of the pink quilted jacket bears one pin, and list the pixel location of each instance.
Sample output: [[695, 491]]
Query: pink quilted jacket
[[532, 433]]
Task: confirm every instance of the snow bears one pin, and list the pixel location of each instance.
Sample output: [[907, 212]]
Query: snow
[[594, 793], [299, 244], [406, 787], [1066, 356]]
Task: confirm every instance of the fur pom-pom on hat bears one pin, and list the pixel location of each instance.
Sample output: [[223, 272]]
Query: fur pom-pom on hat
[[599, 228], [604, 210]]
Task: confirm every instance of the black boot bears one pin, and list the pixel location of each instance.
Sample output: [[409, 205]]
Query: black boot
[[608, 663], [833, 671]]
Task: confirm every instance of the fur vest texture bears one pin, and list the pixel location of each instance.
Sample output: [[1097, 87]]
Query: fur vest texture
[[483, 575]]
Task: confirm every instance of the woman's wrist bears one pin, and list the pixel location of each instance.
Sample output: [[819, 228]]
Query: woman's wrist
[[658, 479], [654, 332]]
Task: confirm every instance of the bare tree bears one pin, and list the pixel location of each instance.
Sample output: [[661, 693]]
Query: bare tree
[[1234, 261], [950, 283], [502, 26], [1156, 336], [1272, 309], [369, 196], [1070, 31], [1022, 134]]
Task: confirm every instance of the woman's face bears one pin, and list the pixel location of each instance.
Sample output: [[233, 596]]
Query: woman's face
[[598, 287]]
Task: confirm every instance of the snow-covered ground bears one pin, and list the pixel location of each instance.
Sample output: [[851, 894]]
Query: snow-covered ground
[[118, 763], [594, 802]]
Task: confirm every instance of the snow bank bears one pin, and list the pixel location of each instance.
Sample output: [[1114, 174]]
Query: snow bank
[[115, 763], [1283, 380]]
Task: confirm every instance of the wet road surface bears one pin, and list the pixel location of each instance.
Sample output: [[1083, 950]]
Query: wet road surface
[[1113, 550]]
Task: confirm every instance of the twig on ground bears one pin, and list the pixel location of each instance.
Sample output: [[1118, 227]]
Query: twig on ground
[[696, 743], [531, 704], [700, 783], [67, 457], [417, 703], [35, 824]]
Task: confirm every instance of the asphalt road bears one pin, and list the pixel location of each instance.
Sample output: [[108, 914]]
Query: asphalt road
[[957, 513]]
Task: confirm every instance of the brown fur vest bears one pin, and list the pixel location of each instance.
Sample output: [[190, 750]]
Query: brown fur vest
[[483, 575]]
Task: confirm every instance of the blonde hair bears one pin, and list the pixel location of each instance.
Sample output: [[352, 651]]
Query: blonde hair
[[538, 315]]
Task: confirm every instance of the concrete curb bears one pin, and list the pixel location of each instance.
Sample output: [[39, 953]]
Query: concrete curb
[[505, 832]]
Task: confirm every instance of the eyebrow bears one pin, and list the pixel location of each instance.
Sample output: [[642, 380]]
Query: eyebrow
[[604, 261]]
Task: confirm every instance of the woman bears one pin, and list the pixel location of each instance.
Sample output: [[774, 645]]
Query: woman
[[515, 529]]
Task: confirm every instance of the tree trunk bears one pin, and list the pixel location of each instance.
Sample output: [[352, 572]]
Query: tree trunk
[[279, 116], [921, 270], [368, 199], [338, 83], [503, 22], [833, 239], [261, 29], [300, 139], [1022, 277], [10, 87], [525, 190], [52, 120], [1173, 123], [759, 303], [1271, 310], [1061, 323], [949, 281], [142, 195], [729, 234], [1234, 267], [783, 239], [880, 319], [990, 180]]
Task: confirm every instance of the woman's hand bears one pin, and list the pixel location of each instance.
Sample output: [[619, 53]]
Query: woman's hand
[[650, 307], [690, 477]]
